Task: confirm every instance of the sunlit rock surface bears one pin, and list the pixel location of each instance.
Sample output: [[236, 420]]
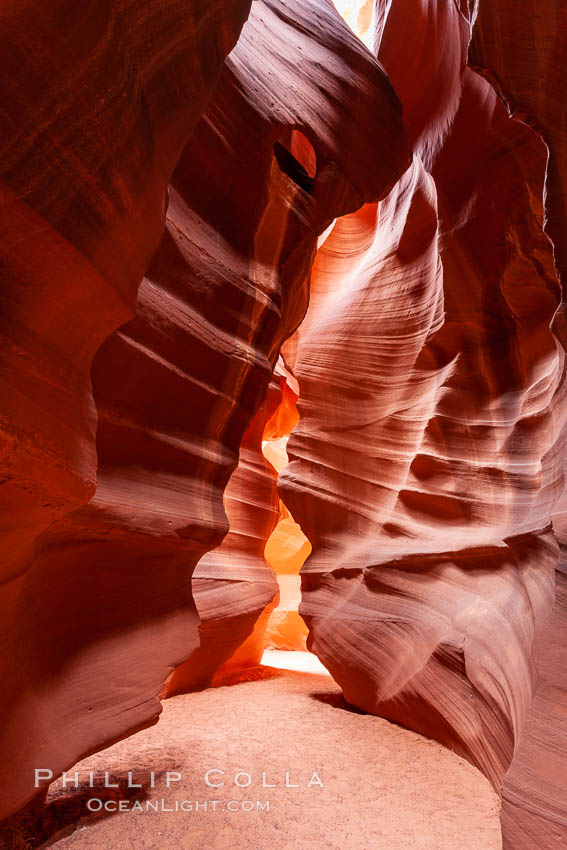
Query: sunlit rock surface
[[233, 586], [359, 16], [287, 547], [428, 456], [102, 609]]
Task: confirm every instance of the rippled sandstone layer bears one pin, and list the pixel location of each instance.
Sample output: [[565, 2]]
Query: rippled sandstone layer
[[428, 461], [101, 609], [98, 102], [522, 55], [428, 456]]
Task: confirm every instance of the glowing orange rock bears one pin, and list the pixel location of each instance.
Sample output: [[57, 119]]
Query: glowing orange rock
[[233, 586], [287, 547], [286, 551]]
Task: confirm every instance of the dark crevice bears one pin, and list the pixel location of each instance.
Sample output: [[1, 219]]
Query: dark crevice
[[292, 167]]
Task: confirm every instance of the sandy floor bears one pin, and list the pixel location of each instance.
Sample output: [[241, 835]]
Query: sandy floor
[[383, 787]]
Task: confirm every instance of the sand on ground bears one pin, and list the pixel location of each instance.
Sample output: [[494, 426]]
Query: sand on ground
[[364, 783]]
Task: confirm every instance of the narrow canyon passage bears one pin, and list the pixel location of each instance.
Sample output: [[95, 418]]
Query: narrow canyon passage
[[283, 425], [376, 785]]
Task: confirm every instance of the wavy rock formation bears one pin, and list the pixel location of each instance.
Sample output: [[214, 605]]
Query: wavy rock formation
[[533, 796], [287, 547], [522, 55], [103, 612], [428, 456], [97, 104], [233, 586], [286, 552], [240, 595], [169, 214]]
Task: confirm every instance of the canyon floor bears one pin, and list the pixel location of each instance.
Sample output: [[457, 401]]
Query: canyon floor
[[383, 786]]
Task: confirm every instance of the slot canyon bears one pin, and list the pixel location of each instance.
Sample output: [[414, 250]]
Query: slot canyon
[[283, 425]]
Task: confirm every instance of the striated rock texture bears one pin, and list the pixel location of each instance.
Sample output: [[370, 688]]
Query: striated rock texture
[[287, 547], [428, 456], [523, 56], [237, 587], [533, 796], [428, 460], [97, 103], [101, 610], [233, 586]]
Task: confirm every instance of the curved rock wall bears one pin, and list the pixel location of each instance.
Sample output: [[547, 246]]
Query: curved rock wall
[[287, 548], [428, 460], [232, 585], [428, 455], [523, 56], [98, 101], [533, 795], [103, 612], [97, 104]]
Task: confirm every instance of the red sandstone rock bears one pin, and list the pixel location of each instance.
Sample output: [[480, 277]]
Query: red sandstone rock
[[521, 54], [287, 547], [98, 101], [427, 459], [233, 586], [521, 50], [104, 612], [533, 794]]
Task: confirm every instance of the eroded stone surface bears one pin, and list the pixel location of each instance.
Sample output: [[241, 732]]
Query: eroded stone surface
[[427, 459], [103, 611]]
